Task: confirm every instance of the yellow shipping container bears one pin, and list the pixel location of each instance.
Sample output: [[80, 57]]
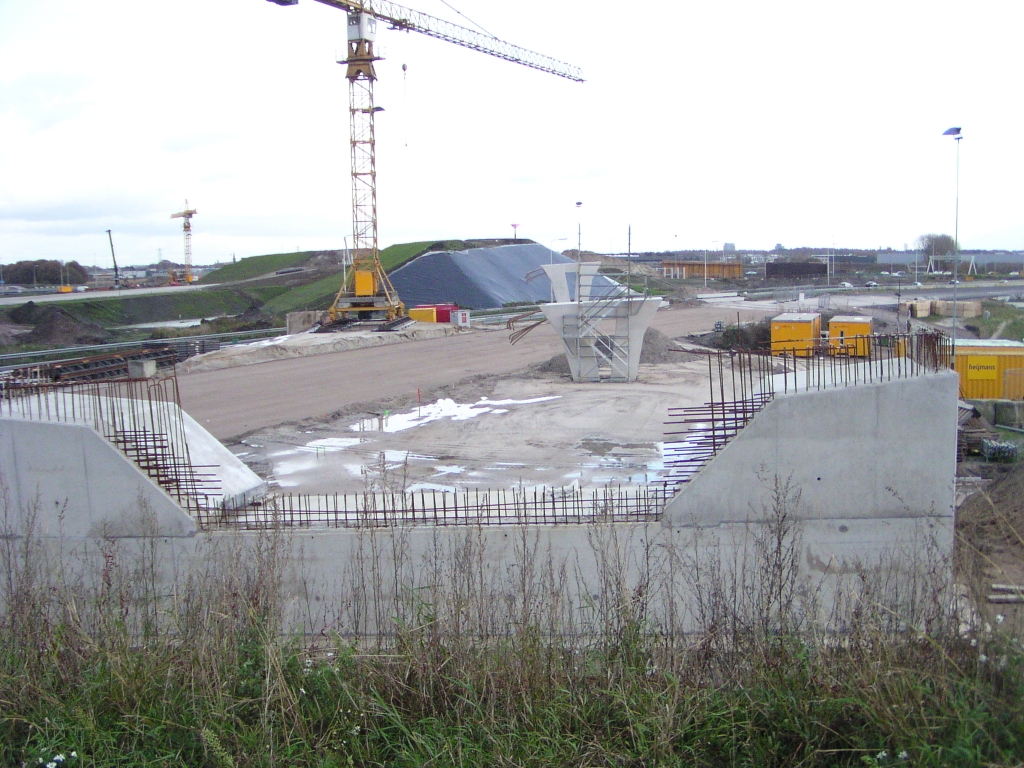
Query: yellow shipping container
[[64, 289], [424, 314], [990, 369], [849, 335], [796, 333]]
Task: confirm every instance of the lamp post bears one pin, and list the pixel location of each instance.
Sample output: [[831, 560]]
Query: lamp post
[[955, 133]]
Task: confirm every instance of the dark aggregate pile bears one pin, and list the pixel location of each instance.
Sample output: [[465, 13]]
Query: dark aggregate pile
[[994, 521], [55, 327]]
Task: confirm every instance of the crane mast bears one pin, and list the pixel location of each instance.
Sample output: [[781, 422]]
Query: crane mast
[[117, 274], [361, 76], [187, 215], [366, 287]]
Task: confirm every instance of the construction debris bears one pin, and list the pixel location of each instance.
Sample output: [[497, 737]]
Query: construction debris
[[1008, 593]]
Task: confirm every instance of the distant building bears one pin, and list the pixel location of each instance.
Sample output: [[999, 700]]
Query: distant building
[[680, 270], [795, 269], [729, 247]]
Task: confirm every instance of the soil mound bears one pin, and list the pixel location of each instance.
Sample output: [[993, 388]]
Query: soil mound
[[557, 365], [57, 327], [658, 349], [28, 313], [993, 521]]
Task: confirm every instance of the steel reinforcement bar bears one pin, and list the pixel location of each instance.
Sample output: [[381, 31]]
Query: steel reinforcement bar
[[537, 506]]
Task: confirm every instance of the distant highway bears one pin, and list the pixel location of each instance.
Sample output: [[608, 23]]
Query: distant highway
[[965, 291], [124, 293]]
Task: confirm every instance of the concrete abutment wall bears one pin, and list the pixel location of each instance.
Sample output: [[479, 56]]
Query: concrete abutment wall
[[882, 510], [871, 451], [66, 480]]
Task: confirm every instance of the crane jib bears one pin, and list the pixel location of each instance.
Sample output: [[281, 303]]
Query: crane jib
[[401, 18]]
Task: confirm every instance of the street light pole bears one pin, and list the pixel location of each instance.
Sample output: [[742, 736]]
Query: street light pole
[[955, 133]]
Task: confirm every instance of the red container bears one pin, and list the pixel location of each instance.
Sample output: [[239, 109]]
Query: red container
[[444, 311]]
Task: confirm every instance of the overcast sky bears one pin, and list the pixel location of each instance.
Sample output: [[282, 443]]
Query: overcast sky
[[744, 121]]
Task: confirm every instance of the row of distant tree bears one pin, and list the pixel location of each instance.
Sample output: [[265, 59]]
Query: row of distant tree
[[44, 272]]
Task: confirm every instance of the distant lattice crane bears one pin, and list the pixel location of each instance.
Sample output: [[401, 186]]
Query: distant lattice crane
[[366, 288], [187, 215], [117, 274]]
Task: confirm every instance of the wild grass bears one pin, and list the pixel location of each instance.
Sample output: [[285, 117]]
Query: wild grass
[[110, 649], [1003, 322]]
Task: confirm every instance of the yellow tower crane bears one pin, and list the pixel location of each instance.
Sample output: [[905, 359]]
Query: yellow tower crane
[[187, 215], [366, 288]]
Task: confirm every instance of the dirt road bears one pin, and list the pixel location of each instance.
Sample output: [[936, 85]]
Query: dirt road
[[234, 401]]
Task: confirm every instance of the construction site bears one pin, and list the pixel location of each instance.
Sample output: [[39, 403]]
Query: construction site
[[403, 408], [570, 427], [407, 484]]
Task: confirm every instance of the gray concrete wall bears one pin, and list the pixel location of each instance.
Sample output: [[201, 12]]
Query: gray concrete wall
[[575, 578], [231, 477], [881, 515], [236, 482], [70, 482], [870, 451]]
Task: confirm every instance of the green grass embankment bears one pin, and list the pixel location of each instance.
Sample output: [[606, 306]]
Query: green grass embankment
[[315, 295], [396, 255], [320, 293], [256, 266], [391, 257], [130, 310]]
